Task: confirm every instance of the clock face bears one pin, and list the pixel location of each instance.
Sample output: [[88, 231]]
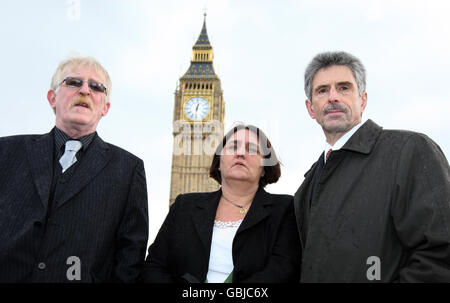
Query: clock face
[[196, 108]]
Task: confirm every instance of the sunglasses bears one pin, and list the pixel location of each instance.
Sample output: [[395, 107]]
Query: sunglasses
[[78, 82]]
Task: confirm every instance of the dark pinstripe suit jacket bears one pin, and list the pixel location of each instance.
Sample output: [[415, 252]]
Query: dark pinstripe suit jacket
[[101, 217]]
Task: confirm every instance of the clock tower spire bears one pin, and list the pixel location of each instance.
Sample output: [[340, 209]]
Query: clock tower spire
[[199, 111]]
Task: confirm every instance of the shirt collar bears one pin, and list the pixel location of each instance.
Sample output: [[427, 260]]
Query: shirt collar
[[342, 140], [61, 138]]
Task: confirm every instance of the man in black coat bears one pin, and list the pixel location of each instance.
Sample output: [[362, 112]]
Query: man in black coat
[[73, 208], [376, 205]]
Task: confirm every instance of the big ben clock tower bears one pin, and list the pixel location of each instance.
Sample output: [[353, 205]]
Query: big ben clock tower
[[198, 122]]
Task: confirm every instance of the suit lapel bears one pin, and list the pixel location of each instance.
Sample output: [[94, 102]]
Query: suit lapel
[[365, 138], [259, 210], [91, 164], [302, 200], [362, 142], [203, 216], [40, 156]]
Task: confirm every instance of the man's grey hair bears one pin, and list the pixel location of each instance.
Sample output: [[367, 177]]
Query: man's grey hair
[[327, 59]]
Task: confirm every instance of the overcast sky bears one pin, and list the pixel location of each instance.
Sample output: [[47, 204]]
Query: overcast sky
[[261, 49]]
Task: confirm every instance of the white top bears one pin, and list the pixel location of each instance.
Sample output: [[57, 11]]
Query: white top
[[221, 256], [342, 140]]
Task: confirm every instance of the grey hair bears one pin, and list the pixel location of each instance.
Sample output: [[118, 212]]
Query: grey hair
[[327, 59], [74, 62]]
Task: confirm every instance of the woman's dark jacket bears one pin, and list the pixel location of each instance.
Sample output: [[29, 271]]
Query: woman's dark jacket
[[266, 247]]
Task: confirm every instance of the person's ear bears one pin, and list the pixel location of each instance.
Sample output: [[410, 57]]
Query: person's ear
[[106, 109], [310, 108], [363, 102], [51, 97]]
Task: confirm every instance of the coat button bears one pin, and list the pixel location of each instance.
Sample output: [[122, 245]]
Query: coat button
[[42, 265]]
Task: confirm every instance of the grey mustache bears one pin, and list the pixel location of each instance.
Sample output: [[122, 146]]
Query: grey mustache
[[334, 107]]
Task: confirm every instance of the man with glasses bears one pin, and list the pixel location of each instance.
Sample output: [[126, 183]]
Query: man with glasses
[[375, 207], [72, 207]]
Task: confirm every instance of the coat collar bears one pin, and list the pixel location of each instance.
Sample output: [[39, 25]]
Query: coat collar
[[259, 210], [203, 216], [40, 157], [302, 198], [364, 140]]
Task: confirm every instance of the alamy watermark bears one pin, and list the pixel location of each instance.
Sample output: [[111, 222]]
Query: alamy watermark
[[73, 10], [374, 271], [74, 271], [206, 139]]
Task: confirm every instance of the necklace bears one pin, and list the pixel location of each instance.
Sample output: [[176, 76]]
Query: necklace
[[242, 207]]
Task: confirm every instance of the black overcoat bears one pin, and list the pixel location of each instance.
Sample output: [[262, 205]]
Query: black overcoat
[[380, 211]]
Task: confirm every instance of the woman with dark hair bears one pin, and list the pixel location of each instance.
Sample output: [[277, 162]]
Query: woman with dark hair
[[239, 233]]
